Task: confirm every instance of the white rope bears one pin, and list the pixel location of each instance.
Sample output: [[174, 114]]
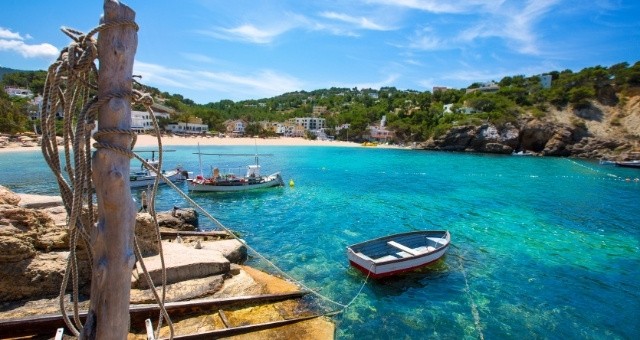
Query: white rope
[[474, 309]]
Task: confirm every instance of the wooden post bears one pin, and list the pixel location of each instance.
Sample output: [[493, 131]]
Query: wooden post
[[108, 315]]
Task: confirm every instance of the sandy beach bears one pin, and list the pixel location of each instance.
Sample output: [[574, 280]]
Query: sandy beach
[[146, 141]]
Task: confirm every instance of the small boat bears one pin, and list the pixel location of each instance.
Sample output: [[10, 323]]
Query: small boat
[[399, 253], [629, 164], [230, 182], [522, 153], [606, 162], [145, 177]]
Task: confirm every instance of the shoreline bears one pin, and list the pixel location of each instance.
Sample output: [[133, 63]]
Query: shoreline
[[145, 140]]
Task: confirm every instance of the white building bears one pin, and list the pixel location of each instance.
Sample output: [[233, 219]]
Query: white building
[[18, 92], [141, 120], [189, 128], [235, 128], [309, 123]]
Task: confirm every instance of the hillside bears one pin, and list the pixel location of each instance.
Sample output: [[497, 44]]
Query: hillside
[[592, 113], [4, 70]]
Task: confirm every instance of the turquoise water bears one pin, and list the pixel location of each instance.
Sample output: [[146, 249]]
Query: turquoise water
[[542, 247]]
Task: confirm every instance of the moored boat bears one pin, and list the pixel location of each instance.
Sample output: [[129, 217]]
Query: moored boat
[[145, 177], [522, 153], [629, 164], [231, 182], [398, 253]]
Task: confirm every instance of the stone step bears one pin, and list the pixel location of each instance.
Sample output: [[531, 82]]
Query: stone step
[[183, 262]]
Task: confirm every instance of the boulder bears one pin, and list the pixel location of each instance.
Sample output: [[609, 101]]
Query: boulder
[[29, 265], [37, 277], [39, 201], [182, 263], [484, 138], [180, 219], [534, 135], [558, 144], [8, 197]]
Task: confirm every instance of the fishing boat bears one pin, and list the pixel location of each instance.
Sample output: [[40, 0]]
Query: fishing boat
[[228, 182], [398, 253], [629, 164], [145, 177]]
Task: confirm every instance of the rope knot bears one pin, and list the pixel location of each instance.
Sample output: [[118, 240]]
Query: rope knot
[[144, 99]]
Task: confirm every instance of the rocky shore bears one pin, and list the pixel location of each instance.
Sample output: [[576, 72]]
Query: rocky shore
[[34, 247], [608, 130]]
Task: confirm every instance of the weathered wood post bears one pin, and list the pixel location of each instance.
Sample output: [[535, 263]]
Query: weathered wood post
[[108, 316]]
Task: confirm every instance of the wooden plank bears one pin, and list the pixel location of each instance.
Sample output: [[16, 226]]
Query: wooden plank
[[219, 333], [47, 324], [171, 233], [402, 247]]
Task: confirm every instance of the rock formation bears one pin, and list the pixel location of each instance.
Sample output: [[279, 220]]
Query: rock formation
[[34, 245]]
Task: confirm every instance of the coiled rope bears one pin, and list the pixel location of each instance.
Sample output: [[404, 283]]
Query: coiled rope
[[70, 81]]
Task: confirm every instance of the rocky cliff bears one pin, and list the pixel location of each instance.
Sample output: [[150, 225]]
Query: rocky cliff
[[607, 128]]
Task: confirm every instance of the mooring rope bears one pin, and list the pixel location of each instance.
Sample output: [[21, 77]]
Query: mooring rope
[[474, 308], [257, 253], [70, 81]]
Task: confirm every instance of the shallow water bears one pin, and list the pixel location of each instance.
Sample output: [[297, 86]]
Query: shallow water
[[541, 247]]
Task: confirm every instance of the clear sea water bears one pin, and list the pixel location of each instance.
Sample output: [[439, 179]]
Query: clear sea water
[[541, 247]]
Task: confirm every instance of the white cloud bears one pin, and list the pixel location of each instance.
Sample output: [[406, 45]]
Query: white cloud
[[201, 58], [439, 6], [515, 23], [360, 22], [216, 85], [11, 41], [7, 34], [425, 39], [247, 33]]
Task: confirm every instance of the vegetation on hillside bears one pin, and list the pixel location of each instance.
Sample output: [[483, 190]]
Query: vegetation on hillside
[[413, 115]]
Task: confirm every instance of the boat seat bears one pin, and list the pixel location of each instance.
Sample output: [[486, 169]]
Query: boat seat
[[403, 248], [403, 254], [422, 249], [364, 256], [437, 240], [385, 259]]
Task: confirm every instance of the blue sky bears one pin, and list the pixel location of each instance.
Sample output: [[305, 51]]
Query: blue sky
[[213, 50]]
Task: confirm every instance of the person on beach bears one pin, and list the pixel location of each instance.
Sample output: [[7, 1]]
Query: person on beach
[[143, 201]]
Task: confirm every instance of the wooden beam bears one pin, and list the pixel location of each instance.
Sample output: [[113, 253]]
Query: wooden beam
[[226, 332], [112, 239], [47, 324], [171, 233]]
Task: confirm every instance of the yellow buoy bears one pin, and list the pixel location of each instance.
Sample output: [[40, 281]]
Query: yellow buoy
[[291, 184]]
